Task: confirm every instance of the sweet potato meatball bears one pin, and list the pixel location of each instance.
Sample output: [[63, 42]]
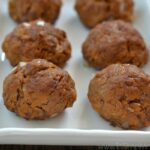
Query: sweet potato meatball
[[92, 12], [38, 90], [29, 10], [120, 93], [34, 40], [114, 42]]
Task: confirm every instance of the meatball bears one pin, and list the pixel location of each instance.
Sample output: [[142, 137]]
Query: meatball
[[120, 93], [92, 12], [29, 10], [38, 90], [114, 42], [34, 40]]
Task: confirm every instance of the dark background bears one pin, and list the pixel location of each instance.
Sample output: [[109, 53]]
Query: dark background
[[23, 147]]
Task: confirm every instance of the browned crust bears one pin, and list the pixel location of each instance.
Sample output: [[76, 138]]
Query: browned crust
[[93, 12], [120, 93], [34, 40], [114, 42], [29, 10], [38, 90]]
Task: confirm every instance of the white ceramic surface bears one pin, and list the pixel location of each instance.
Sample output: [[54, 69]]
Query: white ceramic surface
[[79, 125]]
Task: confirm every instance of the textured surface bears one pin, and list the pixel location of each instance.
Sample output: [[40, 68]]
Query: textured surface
[[114, 42], [92, 12], [28, 10], [37, 39], [38, 90], [121, 94]]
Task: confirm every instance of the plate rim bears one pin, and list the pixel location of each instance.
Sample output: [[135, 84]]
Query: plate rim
[[84, 137]]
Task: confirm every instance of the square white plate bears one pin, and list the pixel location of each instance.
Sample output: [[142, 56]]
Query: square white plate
[[80, 125]]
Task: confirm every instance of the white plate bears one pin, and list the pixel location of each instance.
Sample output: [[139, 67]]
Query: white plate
[[79, 125]]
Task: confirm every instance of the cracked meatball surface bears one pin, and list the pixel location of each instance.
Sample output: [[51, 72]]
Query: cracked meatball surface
[[29, 10], [114, 42], [34, 40], [38, 90], [92, 12], [120, 93]]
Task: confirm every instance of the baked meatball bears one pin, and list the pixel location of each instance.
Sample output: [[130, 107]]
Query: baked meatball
[[34, 40], [114, 42], [29, 10], [38, 90], [92, 12], [120, 93]]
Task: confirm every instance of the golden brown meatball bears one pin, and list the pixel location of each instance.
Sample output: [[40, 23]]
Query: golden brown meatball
[[38, 90], [120, 93], [92, 12], [34, 40], [114, 42], [29, 10]]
